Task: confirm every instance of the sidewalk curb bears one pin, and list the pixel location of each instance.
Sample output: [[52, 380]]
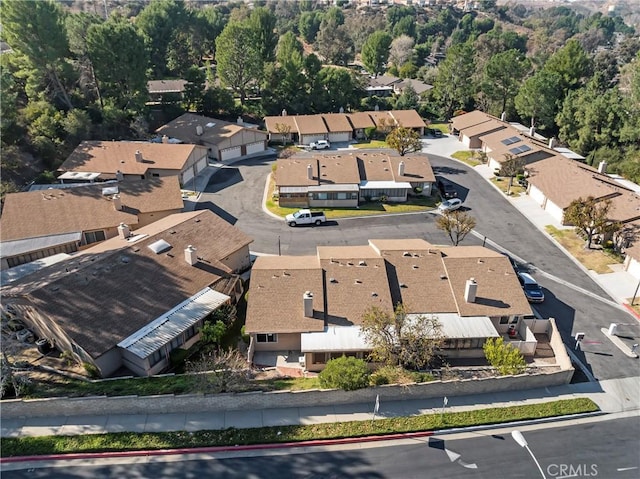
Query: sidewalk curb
[[301, 444]]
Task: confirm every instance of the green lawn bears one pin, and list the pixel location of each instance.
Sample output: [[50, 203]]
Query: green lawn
[[503, 184], [467, 156], [26, 446], [370, 144], [443, 127]]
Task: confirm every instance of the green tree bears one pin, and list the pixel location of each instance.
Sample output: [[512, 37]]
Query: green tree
[[457, 224], [239, 60], [37, 31], [309, 25], [538, 98], [346, 373], [334, 44], [454, 86], [77, 28], [194, 89], [503, 75], [400, 339], [375, 52], [404, 140], [408, 100], [212, 332], [158, 22], [119, 58], [504, 357], [571, 63], [263, 23], [590, 217], [218, 102], [341, 89]]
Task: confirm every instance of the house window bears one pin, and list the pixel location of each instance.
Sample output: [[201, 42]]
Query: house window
[[94, 236], [341, 196], [267, 338], [155, 175], [319, 358], [504, 319], [156, 357]]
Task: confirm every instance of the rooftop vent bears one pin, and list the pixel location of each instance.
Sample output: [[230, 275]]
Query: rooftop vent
[[110, 190], [403, 285], [307, 303], [138, 156], [117, 202], [190, 255], [309, 172], [362, 263], [357, 281], [199, 130], [415, 266], [374, 294], [159, 246], [333, 280], [406, 253], [443, 276], [401, 168], [165, 139], [119, 175]]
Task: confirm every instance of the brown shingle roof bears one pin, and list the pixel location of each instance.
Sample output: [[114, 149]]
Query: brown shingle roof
[[101, 297], [277, 286], [562, 181], [486, 127], [425, 278], [166, 86], [184, 128], [55, 211], [272, 122], [408, 118], [335, 169], [337, 122], [111, 156], [361, 119], [310, 124], [472, 118]]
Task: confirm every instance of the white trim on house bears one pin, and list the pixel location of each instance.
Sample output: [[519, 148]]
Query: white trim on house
[[333, 187], [162, 330], [379, 185]]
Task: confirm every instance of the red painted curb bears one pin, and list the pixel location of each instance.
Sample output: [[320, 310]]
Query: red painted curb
[[199, 450], [631, 310]]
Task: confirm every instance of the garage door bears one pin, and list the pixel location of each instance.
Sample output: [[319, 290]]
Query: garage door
[[536, 195], [634, 268], [201, 165], [338, 137], [306, 139], [255, 147], [230, 153], [554, 210], [187, 175]]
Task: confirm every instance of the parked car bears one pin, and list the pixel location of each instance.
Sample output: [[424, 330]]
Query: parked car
[[446, 188], [319, 145], [450, 205], [531, 288], [306, 217], [434, 132]]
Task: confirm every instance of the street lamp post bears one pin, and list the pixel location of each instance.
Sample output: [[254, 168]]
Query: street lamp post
[[519, 438]]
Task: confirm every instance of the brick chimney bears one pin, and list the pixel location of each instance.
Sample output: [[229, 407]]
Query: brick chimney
[[307, 301], [470, 289]]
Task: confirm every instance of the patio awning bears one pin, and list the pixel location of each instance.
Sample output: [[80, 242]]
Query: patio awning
[[457, 327], [164, 329], [293, 189], [334, 338], [379, 185]]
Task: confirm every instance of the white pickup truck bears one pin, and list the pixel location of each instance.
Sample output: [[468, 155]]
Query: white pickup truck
[[306, 217], [319, 145]]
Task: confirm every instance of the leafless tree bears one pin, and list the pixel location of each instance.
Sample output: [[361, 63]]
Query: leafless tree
[[457, 224], [221, 371]]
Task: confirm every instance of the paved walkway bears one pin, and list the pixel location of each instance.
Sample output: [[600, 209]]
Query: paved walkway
[[612, 396]]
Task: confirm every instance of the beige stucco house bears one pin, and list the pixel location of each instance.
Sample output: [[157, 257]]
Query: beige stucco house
[[38, 224], [472, 291], [131, 300]]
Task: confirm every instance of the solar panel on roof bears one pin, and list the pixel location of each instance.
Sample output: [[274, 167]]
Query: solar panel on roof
[[511, 140], [520, 149]]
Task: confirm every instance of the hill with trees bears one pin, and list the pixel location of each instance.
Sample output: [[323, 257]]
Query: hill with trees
[[571, 73]]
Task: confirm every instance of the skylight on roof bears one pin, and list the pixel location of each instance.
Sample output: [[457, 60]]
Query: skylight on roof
[[111, 190], [520, 149], [511, 140], [211, 124], [159, 246]]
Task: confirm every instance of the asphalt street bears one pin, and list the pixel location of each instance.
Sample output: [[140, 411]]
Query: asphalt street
[[607, 449], [236, 194]]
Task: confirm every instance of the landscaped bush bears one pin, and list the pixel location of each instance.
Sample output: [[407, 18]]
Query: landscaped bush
[[504, 357], [177, 356], [346, 373], [91, 370], [390, 375]]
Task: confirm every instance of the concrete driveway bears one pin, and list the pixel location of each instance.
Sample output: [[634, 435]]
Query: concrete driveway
[[574, 299]]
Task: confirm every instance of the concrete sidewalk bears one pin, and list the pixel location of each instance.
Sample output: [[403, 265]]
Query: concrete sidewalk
[[611, 396]]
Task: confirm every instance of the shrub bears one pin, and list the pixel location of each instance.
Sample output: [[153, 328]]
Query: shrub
[[417, 190], [68, 357], [504, 357], [177, 356], [390, 375], [92, 370], [346, 373], [370, 132]]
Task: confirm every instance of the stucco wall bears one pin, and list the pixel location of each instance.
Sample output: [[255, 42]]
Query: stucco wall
[[265, 400], [286, 342]]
